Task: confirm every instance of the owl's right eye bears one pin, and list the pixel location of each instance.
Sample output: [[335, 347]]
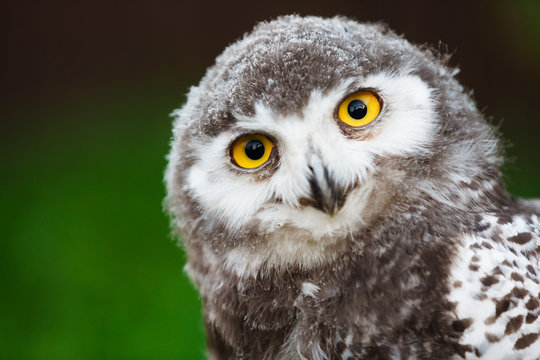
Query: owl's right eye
[[251, 151]]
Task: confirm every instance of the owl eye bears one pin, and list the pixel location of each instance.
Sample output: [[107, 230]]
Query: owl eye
[[251, 151], [359, 109]]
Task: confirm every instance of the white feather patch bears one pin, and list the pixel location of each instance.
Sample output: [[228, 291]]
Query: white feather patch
[[478, 258]]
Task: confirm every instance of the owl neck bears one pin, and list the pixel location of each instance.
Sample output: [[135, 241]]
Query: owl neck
[[398, 259]]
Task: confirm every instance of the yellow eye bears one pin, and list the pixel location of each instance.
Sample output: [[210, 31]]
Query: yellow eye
[[251, 151], [359, 109]]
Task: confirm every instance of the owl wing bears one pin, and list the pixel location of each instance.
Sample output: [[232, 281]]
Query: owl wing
[[495, 286]]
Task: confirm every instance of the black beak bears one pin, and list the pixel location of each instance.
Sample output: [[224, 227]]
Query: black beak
[[326, 195]]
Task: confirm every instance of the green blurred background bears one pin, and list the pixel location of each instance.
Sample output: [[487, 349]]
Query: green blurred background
[[87, 267]]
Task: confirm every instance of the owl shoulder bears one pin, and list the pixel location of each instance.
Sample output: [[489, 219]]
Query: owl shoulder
[[495, 285]]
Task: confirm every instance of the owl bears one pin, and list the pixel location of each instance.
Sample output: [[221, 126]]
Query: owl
[[339, 196]]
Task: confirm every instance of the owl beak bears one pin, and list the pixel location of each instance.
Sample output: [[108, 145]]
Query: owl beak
[[326, 194]]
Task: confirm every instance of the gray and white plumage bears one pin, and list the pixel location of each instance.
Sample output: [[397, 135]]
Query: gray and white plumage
[[393, 240]]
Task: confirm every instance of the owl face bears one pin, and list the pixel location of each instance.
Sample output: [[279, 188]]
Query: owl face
[[306, 131], [313, 170]]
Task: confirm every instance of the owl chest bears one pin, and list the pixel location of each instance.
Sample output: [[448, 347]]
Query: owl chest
[[297, 325], [315, 322], [363, 308]]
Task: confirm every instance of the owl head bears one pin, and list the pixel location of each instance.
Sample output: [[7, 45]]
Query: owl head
[[308, 132]]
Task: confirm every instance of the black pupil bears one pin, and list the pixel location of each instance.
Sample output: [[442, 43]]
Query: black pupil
[[254, 149], [357, 109]]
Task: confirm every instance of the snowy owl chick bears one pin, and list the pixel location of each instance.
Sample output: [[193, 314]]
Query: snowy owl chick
[[339, 197]]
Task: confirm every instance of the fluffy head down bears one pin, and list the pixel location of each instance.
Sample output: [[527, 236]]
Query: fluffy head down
[[285, 80]]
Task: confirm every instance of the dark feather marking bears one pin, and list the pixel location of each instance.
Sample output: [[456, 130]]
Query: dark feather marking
[[481, 296], [532, 304], [533, 279], [461, 325], [474, 267], [504, 219], [516, 277], [501, 306], [526, 340], [531, 317], [487, 245], [489, 280], [480, 227], [492, 338], [513, 325], [521, 238], [520, 293]]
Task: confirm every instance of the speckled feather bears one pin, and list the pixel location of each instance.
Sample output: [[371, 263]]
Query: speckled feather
[[428, 257]]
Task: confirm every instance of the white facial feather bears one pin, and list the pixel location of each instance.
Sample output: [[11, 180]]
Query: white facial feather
[[406, 126], [411, 122]]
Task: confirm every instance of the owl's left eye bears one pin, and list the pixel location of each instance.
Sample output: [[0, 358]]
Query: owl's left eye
[[251, 151], [359, 109]]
